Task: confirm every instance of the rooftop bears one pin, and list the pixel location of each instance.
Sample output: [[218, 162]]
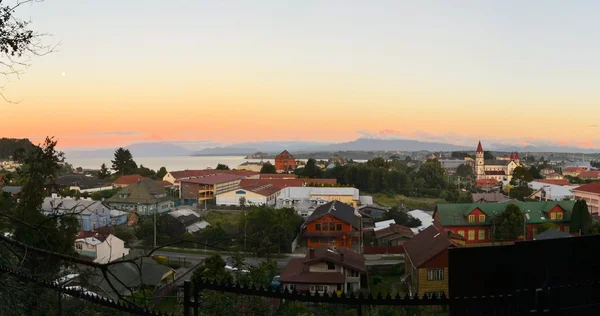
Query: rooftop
[[593, 187], [284, 183], [339, 210], [297, 270], [554, 181], [426, 245], [592, 174], [129, 179], [144, 192], [211, 179]]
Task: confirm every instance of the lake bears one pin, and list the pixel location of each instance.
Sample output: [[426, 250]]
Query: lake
[[172, 163]]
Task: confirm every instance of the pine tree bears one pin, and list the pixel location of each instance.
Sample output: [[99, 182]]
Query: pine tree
[[123, 163], [104, 172]]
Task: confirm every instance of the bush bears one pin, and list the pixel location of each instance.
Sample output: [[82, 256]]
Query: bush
[[376, 279]]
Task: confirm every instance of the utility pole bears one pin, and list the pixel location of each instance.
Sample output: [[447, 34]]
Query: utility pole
[[155, 209]]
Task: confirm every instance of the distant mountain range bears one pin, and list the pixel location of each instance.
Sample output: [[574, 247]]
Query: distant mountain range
[[163, 149]]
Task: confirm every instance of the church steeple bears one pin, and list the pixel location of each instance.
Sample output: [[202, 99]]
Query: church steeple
[[479, 148], [512, 155]]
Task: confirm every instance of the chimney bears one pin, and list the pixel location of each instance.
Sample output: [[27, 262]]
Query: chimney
[[311, 253]]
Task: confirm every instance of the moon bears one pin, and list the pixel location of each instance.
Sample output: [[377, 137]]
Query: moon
[[63, 74]]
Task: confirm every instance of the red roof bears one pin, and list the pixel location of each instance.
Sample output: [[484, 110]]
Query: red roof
[[592, 174], [163, 182], [554, 181], [262, 189], [486, 183], [426, 245], [198, 173], [575, 169], [512, 155], [278, 176], [214, 178], [284, 183], [297, 270], [479, 148], [593, 187], [130, 179], [516, 156], [395, 229]]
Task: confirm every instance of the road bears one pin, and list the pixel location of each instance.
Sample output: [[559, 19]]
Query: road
[[196, 258]]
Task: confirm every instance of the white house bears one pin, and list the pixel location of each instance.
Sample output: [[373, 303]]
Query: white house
[[109, 249], [306, 199], [256, 194], [425, 218], [551, 192]]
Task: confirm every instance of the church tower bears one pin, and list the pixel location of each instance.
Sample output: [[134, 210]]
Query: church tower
[[479, 162], [517, 160]]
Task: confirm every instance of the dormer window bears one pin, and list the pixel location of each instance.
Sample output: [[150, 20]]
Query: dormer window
[[553, 216], [559, 215], [481, 218], [471, 218]]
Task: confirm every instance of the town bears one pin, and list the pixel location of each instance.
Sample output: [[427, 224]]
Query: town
[[322, 227]]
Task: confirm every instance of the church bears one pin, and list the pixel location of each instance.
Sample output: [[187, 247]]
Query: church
[[495, 169]]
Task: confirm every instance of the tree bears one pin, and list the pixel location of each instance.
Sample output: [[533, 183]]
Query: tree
[[123, 163], [310, 170], [433, 174], [521, 176], [162, 172], [104, 172], [508, 226], [18, 43], [402, 218], [464, 171], [580, 217], [222, 167], [268, 168], [408, 159], [535, 172], [487, 155], [145, 172], [546, 226]]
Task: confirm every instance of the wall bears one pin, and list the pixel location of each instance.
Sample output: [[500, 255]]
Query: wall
[[592, 200], [348, 199], [86, 249], [111, 249], [432, 286], [322, 267], [465, 233], [233, 198]]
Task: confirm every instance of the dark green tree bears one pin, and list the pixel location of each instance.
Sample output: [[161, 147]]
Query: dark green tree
[[222, 167], [464, 171], [123, 162], [401, 218], [310, 170], [580, 217], [145, 172], [162, 172], [509, 225], [433, 174], [535, 172], [268, 168], [521, 176], [488, 155], [103, 173]]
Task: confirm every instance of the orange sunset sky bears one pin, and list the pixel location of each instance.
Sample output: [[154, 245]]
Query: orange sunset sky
[[236, 71]]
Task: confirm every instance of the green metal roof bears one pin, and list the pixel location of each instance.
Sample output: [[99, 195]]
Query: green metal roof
[[456, 214]]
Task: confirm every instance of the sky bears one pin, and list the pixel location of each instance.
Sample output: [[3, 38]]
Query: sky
[[525, 72]]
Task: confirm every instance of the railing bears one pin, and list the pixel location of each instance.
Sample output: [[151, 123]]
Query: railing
[[580, 299]]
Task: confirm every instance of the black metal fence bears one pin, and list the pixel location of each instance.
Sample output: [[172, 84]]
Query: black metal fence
[[580, 299]]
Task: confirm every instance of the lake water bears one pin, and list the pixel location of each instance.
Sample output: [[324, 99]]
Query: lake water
[[172, 163]]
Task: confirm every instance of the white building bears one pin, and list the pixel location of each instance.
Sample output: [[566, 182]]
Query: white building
[[425, 218], [306, 199], [256, 194], [103, 251], [551, 192]]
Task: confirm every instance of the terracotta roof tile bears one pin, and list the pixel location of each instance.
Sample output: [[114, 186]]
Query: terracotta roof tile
[[262, 189], [592, 174], [426, 245], [593, 187], [394, 229], [214, 178], [554, 181], [129, 179]]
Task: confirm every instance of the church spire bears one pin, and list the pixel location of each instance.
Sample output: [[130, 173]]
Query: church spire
[[479, 148], [516, 156], [512, 155]]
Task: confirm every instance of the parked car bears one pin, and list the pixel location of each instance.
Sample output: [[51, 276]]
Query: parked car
[[275, 284]]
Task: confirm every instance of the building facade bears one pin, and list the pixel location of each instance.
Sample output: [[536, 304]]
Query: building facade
[[103, 250], [203, 189], [475, 221], [90, 214], [498, 170], [324, 270], [260, 194], [285, 162], [144, 197], [306, 199], [590, 193]]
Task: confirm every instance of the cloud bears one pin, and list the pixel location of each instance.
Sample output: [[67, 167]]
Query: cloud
[[593, 125]]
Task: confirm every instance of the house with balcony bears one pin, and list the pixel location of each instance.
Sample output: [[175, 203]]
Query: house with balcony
[[474, 221], [591, 194], [333, 224], [426, 260], [324, 270], [145, 197], [201, 189]]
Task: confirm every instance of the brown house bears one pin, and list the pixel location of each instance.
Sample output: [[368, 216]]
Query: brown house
[[324, 270], [334, 223], [285, 162], [393, 235], [427, 262]]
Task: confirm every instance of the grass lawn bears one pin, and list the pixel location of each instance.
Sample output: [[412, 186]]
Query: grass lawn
[[427, 204], [216, 217]]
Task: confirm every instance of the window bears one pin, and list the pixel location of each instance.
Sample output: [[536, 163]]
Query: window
[[559, 215], [481, 234], [552, 215], [312, 288], [481, 218], [291, 287], [331, 226], [435, 274], [79, 246], [338, 227], [471, 235], [471, 218], [330, 266], [317, 226], [567, 229], [325, 227], [461, 232]]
